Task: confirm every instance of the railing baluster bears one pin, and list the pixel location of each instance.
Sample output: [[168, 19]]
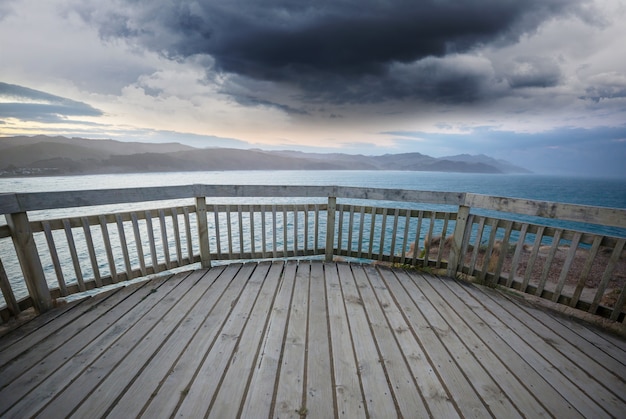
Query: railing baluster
[[405, 238], [418, 233], [274, 233], [476, 250], [218, 236], [92, 252], [503, 251], [571, 254], [240, 221], [179, 251], [392, 251], [340, 229], [55, 258], [519, 248], [7, 293], [164, 239], [124, 245], [109, 249], [383, 227], [442, 242], [188, 234], [142, 262], [252, 248], [285, 232], [350, 229], [203, 232], [548, 264], [306, 229], [151, 241], [606, 276], [372, 231], [584, 274], [533, 257], [361, 227], [75, 261], [488, 252], [263, 233], [330, 228], [295, 230], [429, 238]]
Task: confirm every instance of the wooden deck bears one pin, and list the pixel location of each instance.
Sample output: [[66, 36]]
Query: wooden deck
[[290, 339]]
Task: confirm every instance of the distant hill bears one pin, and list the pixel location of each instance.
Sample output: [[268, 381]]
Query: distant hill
[[43, 155]]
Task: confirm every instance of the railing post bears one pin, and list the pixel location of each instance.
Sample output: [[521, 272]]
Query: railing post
[[330, 227], [203, 232], [457, 240], [27, 254]]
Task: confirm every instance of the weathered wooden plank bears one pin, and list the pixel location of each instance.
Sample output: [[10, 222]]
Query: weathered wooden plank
[[86, 344], [584, 353], [188, 236], [234, 386], [461, 391], [240, 229], [493, 230], [603, 385], [290, 395], [320, 397], [259, 398], [348, 392], [496, 399], [179, 380], [535, 351], [418, 233], [477, 244], [119, 377], [429, 237], [7, 292], [487, 355], [401, 381], [437, 397], [383, 228], [543, 394], [136, 393], [503, 250], [394, 233], [201, 393], [99, 364], [374, 380], [606, 216]]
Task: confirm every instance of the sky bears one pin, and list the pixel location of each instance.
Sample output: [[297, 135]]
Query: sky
[[539, 83]]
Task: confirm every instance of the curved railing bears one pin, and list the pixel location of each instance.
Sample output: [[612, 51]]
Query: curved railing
[[535, 247]]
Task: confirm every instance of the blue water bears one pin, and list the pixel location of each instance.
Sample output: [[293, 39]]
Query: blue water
[[577, 190]]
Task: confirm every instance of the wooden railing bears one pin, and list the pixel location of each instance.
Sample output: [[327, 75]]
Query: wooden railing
[[496, 241]]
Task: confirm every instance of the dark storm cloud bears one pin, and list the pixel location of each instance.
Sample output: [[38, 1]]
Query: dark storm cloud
[[34, 105], [534, 72], [342, 50]]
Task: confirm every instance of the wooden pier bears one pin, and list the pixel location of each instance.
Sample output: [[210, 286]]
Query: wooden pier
[[308, 339]]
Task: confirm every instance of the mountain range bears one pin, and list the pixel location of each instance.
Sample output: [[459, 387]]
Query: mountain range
[[44, 155]]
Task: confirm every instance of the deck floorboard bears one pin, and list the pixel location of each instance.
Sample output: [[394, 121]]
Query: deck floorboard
[[308, 338]]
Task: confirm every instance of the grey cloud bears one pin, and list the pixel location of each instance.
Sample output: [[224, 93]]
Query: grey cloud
[[345, 50], [534, 72], [606, 86], [34, 105]]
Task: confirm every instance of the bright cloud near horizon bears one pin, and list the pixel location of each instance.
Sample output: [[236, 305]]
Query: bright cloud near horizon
[[540, 83]]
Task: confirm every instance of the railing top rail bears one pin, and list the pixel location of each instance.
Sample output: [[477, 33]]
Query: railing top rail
[[23, 202], [614, 217]]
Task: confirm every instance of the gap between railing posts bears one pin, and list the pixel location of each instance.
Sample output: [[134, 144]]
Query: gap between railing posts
[[28, 256]]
